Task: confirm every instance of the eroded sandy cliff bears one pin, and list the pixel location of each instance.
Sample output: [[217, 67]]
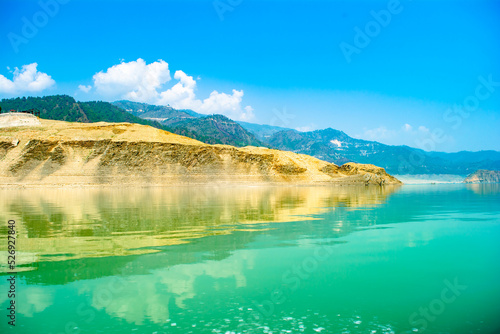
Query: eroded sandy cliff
[[62, 153]]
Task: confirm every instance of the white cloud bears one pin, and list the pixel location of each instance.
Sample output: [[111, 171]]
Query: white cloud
[[26, 79], [139, 82], [229, 105], [133, 80], [181, 95], [423, 129], [407, 127], [84, 88]]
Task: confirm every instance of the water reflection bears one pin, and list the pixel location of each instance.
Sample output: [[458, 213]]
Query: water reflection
[[206, 260], [81, 236], [140, 298], [57, 225], [484, 188]]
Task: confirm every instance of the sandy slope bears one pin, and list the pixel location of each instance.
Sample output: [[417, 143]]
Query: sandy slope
[[62, 153]]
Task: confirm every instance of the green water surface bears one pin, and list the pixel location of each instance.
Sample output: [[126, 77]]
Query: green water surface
[[410, 259]]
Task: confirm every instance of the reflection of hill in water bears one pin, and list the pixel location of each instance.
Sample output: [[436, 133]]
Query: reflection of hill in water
[[484, 189], [206, 280], [77, 234], [63, 224]]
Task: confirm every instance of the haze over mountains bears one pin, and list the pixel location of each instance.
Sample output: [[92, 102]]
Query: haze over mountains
[[328, 144]]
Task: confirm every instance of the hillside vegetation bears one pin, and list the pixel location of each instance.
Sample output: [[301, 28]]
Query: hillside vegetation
[[211, 129], [66, 108]]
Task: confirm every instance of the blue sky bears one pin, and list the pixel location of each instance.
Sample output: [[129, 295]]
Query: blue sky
[[421, 73]]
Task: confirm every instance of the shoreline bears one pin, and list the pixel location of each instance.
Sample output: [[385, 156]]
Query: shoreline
[[6, 186]]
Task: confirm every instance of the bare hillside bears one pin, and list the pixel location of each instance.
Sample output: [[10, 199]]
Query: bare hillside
[[63, 153]]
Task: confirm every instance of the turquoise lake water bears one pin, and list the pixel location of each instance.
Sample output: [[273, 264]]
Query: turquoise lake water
[[409, 259]]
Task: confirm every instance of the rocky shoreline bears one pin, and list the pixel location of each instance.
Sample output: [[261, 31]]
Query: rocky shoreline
[[483, 176]]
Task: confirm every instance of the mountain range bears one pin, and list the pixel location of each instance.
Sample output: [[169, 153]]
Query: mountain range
[[211, 129], [328, 144], [335, 146]]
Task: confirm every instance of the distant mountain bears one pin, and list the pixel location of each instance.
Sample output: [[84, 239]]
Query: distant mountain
[[215, 129], [468, 157], [163, 114], [484, 176], [337, 147], [262, 131], [212, 129], [65, 108]]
